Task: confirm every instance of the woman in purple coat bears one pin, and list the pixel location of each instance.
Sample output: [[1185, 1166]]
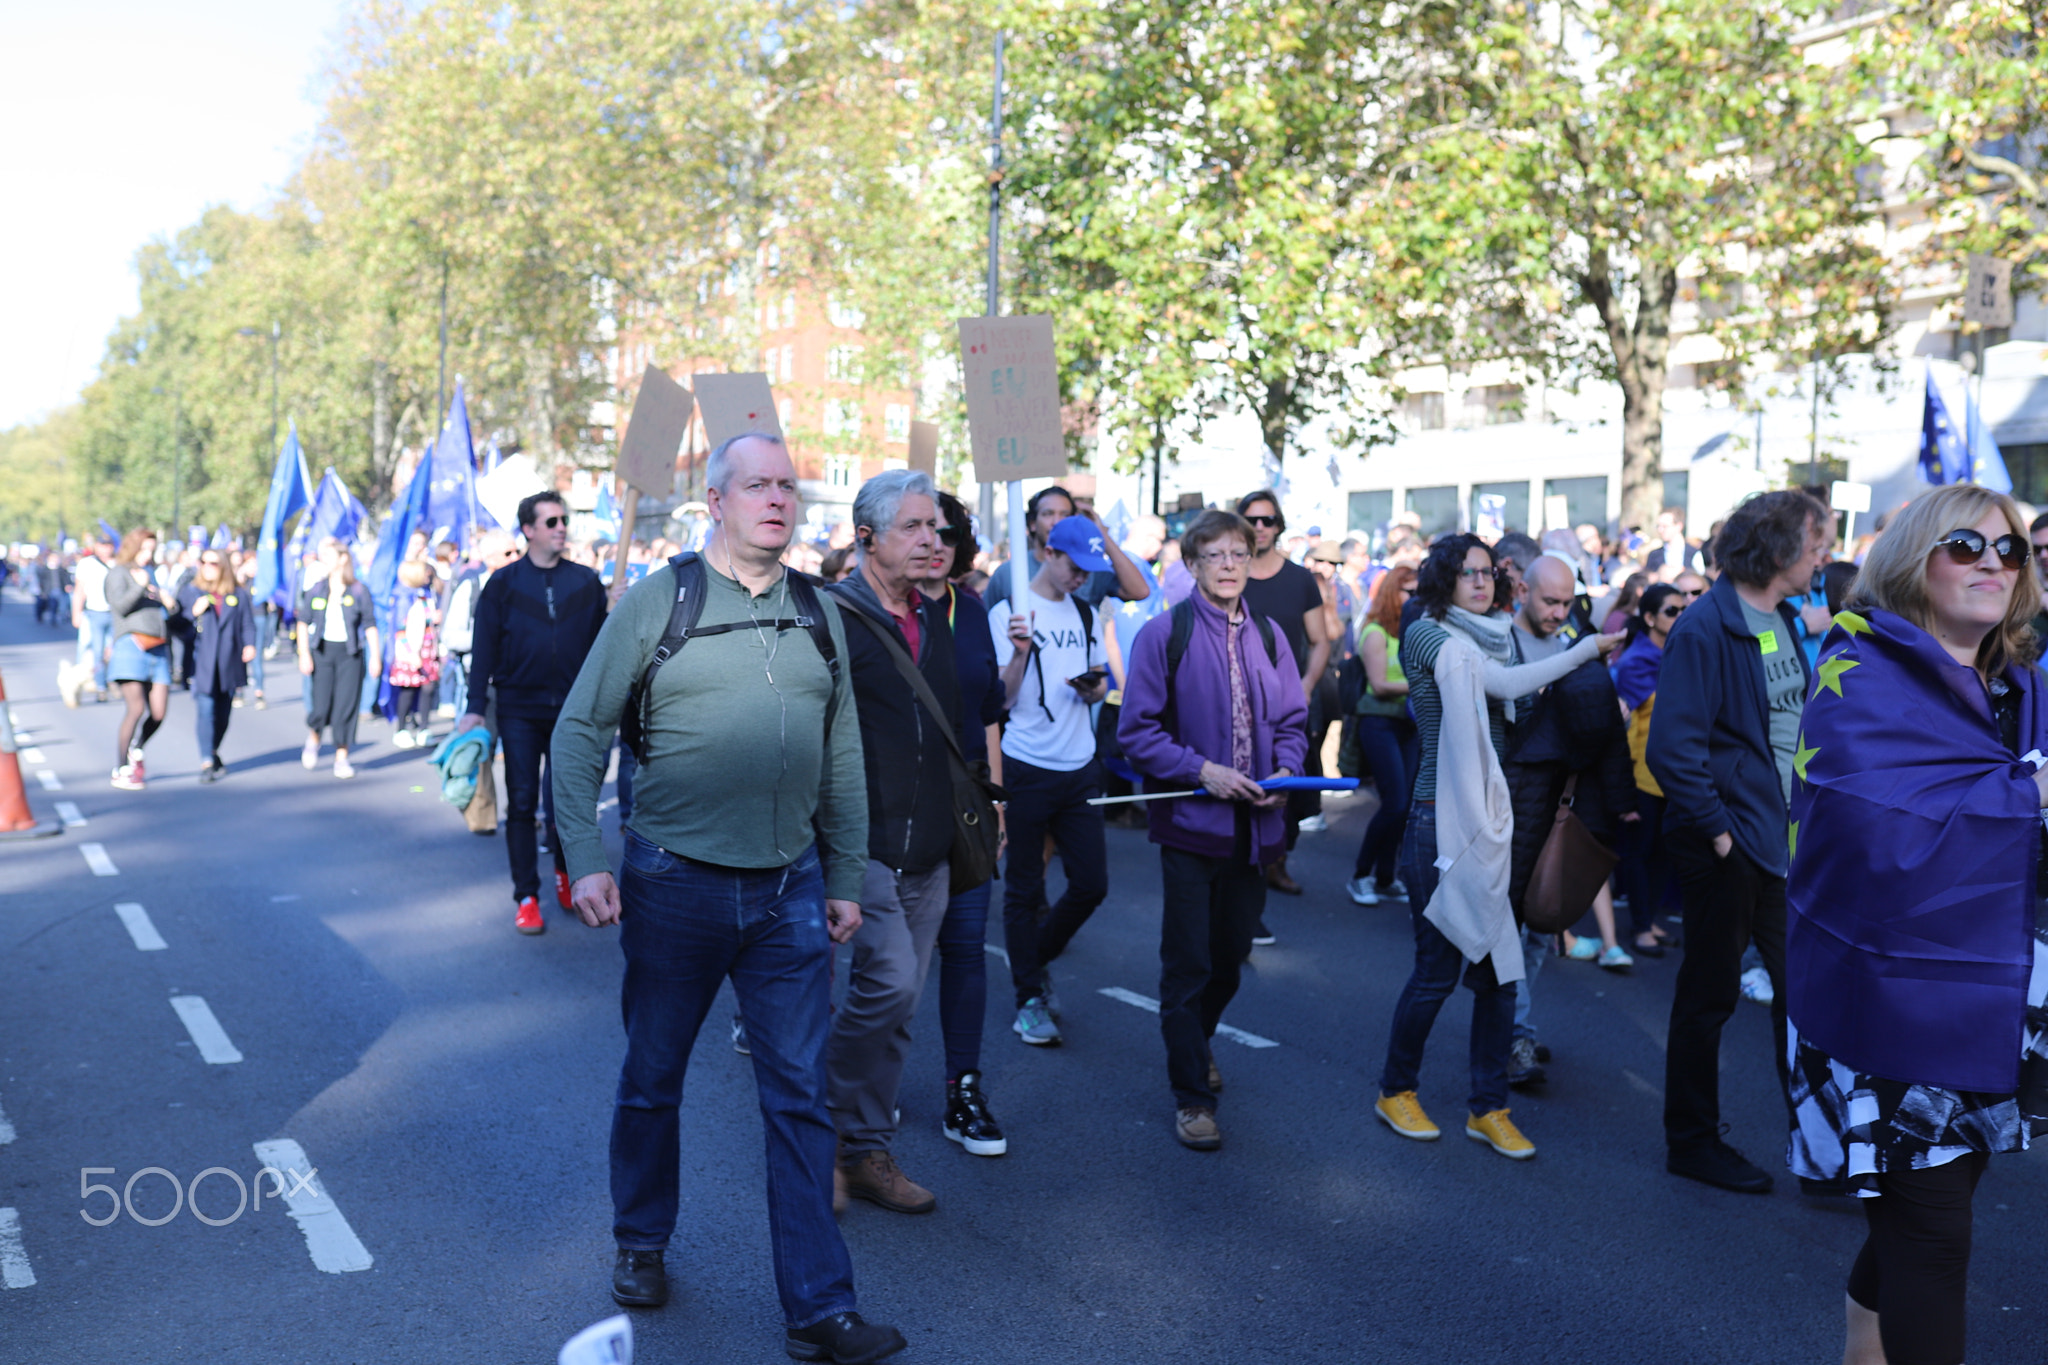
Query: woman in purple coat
[[1214, 700]]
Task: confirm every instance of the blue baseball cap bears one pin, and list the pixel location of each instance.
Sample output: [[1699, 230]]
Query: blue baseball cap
[[1081, 541]]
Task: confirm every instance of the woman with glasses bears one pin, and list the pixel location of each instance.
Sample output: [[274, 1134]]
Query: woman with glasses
[[1460, 683], [224, 643], [1916, 962], [1645, 874], [1386, 738]]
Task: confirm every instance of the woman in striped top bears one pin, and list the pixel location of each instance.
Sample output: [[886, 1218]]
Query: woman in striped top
[[1464, 611]]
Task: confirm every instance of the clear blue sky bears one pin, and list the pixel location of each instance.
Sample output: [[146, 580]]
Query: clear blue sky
[[123, 121]]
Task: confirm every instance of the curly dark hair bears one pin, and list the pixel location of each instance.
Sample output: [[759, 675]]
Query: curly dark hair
[[1766, 535], [1436, 583], [957, 516]]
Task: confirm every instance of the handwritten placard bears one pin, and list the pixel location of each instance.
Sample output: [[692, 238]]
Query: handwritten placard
[[1013, 398], [735, 404], [654, 433]]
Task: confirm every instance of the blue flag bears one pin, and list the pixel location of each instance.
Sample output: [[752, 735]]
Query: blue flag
[[1987, 461], [1943, 456], [336, 512], [608, 514], [452, 508], [109, 532], [289, 492], [220, 538]]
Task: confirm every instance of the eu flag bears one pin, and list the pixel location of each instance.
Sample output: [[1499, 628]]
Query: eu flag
[[1943, 456], [336, 512], [289, 489], [1987, 461], [452, 508]]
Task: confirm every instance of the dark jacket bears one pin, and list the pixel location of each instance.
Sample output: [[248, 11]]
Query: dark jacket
[[1171, 760], [134, 611], [223, 629], [534, 627], [1575, 726], [981, 682], [1710, 737], [357, 614], [910, 779]]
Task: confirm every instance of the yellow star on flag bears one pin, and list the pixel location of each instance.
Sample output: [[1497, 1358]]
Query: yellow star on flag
[[1831, 671], [1800, 758], [1851, 623], [1794, 838]]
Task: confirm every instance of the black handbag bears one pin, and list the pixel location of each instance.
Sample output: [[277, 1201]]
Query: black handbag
[[977, 834]]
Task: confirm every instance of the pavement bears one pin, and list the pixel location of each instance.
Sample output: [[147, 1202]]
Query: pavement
[[433, 1091]]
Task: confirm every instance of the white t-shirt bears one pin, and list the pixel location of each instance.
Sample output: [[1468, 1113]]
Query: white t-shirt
[[89, 576], [1050, 726]]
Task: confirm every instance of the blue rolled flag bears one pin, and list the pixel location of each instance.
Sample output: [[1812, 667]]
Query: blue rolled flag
[[107, 530], [1987, 461], [290, 491], [336, 511], [1944, 457], [452, 508], [608, 513]]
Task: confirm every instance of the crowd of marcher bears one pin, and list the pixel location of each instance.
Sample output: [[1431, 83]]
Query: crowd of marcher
[[1610, 750]]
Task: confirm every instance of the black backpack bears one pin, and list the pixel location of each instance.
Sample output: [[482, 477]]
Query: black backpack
[[683, 627], [1179, 634]]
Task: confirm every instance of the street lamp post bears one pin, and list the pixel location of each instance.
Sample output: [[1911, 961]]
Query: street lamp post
[[276, 332]]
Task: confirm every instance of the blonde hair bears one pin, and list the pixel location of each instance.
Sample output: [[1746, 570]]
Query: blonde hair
[[343, 570], [415, 573], [1894, 575]]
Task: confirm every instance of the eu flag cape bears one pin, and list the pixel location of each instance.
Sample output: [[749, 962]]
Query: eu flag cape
[[1915, 834]]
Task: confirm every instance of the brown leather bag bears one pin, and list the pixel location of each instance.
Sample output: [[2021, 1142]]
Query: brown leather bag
[[1569, 871]]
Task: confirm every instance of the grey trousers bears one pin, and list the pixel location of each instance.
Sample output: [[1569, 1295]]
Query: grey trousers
[[900, 917]]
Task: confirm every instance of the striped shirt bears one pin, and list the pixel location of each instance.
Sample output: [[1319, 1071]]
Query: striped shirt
[[1420, 644]]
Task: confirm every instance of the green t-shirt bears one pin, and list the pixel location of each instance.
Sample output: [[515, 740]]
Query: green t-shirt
[[1784, 686]]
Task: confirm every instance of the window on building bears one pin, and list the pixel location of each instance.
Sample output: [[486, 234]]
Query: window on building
[[842, 471], [1490, 405], [894, 462], [843, 365], [845, 314], [896, 422], [1585, 500], [1514, 504], [842, 418], [1438, 508], [788, 363], [1369, 512], [789, 310], [1423, 412]]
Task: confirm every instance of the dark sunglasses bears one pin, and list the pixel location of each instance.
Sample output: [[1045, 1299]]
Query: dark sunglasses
[[551, 522], [1263, 521], [952, 535], [1669, 610], [1966, 546]]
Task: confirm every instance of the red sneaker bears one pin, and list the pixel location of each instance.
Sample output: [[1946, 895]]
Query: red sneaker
[[529, 921], [562, 888]]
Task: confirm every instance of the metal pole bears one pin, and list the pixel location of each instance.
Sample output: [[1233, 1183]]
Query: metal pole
[[1813, 440], [441, 382], [275, 333], [177, 468], [1020, 542]]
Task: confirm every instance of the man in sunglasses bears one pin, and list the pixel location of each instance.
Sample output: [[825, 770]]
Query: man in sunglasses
[[1723, 746], [536, 619]]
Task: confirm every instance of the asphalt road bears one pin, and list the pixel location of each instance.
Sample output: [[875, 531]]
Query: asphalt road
[[449, 1081]]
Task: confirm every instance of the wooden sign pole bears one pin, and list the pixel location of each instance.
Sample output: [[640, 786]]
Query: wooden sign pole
[[629, 507]]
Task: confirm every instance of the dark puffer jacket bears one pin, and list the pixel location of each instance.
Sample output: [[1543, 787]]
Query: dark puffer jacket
[[1575, 727]]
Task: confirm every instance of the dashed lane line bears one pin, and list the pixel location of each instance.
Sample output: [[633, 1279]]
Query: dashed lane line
[[96, 858], [6, 1129], [51, 782], [68, 812], [332, 1243], [34, 755], [207, 1034], [1146, 1002], [15, 1271], [139, 927]]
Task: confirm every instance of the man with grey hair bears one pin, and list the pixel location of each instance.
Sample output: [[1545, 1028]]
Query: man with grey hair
[[744, 861], [893, 628]]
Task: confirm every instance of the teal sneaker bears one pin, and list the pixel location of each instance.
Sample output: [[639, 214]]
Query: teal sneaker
[[1034, 1024]]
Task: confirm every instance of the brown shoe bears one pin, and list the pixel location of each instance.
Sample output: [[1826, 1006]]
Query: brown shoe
[[838, 1189], [1215, 1078], [1277, 878], [1197, 1128], [875, 1177]]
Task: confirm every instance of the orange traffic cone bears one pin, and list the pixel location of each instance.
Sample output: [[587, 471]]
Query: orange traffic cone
[[17, 821]]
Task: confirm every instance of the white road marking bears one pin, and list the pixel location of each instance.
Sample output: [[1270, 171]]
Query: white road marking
[[207, 1034], [34, 755], [96, 858], [1146, 1002], [139, 928], [279, 900], [15, 1272], [68, 812], [6, 1129], [51, 782], [334, 1246]]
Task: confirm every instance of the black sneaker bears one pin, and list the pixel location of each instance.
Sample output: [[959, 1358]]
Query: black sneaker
[[968, 1121], [1523, 1068], [638, 1280], [843, 1339], [739, 1037], [1716, 1163]]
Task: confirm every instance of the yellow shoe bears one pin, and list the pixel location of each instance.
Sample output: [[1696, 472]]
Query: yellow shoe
[[1498, 1131], [1403, 1113]]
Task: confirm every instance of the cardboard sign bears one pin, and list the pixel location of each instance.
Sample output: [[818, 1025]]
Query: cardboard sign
[[1849, 497], [1987, 300], [654, 433], [1013, 398], [735, 404], [924, 447]]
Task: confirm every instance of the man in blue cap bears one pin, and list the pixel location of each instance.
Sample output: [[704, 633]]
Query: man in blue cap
[[1054, 671]]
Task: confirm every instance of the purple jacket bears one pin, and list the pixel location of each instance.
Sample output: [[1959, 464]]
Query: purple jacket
[[1173, 762]]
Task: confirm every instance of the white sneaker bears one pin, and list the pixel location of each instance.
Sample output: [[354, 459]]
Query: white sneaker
[[126, 780], [342, 767], [309, 756], [403, 740], [1362, 891], [1315, 824], [1756, 985]]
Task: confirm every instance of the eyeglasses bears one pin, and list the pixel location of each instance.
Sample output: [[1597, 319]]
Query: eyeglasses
[[1226, 558], [1263, 521], [952, 535], [1966, 546], [1474, 575]]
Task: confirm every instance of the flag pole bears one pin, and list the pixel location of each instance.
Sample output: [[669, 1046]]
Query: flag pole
[[1020, 544]]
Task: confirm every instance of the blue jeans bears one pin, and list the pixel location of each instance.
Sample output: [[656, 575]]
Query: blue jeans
[[688, 926], [1534, 950], [1391, 751], [92, 644], [266, 632], [210, 713], [1438, 965], [963, 978]]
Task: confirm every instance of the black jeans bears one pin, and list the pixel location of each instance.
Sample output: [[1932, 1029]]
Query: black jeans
[[1914, 1269], [525, 737], [1042, 801], [1729, 903], [1205, 933], [1391, 751], [336, 684], [1645, 872]]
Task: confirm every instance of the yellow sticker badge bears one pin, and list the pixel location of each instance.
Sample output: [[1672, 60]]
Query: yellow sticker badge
[[1767, 640]]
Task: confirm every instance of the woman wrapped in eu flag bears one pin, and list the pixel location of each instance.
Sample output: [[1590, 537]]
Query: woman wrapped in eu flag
[[1910, 945]]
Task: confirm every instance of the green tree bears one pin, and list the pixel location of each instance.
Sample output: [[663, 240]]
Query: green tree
[[37, 501]]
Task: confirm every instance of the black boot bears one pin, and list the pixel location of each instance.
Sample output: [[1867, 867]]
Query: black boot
[[843, 1339], [638, 1280], [968, 1121]]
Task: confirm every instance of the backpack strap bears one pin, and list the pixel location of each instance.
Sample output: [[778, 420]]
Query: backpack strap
[[1180, 634]]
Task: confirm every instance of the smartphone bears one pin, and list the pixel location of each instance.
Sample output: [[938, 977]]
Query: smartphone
[[1087, 680]]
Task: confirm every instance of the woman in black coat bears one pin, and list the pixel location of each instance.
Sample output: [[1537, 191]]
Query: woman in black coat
[[224, 643]]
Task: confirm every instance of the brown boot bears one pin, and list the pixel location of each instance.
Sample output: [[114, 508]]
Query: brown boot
[[1277, 878], [875, 1177]]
